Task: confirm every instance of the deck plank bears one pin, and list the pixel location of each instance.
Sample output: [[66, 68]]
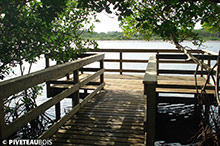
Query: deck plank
[[114, 117], [182, 91], [182, 84]]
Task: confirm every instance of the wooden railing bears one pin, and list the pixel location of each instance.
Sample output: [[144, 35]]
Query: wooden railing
[[150, 82], [16, 85], [121, 60], [51, 74], [203, 57]]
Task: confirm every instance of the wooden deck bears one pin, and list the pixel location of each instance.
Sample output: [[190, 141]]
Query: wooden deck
[[114, 117], [182, 84]]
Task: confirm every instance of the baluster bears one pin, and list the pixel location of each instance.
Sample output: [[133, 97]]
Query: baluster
[[157, 62], [2, 119], [102, 75], [121, 63], [57, 106], [58, 111], [209, 65], [47, 63], [75, 99], [202, 65]]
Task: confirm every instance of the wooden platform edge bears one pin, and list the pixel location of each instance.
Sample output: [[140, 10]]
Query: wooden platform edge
[[150, 83], [55, 127]]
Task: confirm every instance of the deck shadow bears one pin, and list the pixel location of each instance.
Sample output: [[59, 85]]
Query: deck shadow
[[113, 117]]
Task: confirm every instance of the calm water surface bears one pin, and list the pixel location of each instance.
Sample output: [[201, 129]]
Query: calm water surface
[[209, 45]]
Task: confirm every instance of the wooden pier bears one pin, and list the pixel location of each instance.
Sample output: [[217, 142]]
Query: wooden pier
[[114, 109], [114, 117]]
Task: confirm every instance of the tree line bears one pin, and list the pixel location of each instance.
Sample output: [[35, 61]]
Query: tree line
[[116, 35]]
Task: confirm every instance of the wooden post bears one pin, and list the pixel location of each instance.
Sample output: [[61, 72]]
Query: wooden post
[[102, 75], [47, 63], [202, 65], [75, 99], [151, 113], [2, 120], [209, 64], [150, 84], [197, 106], [67, 76], [57, 106], [218, 111], [217, 80], [58, 111], [85, 91], [121, 67], [157, 62]]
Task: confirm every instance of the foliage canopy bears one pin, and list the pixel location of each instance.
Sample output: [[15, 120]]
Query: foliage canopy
[[172, 20], [30, 28]]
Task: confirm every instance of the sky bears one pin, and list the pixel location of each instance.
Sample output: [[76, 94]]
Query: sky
[[110, 23]]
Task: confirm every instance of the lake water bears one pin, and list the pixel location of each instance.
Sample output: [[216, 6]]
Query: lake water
[[209, 45], [139, 44], [129, 44]]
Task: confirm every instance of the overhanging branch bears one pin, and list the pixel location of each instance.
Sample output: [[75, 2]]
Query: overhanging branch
[[191, 57], [202, 65]]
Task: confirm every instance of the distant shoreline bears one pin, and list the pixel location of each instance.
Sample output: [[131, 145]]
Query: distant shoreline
[[120, 36], [157, 40], [143, 40]]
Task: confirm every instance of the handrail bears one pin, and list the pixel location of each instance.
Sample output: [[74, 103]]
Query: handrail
[[150, 76], [121, 60], [204, 57], [150, 83], [21, 83], [175, 57], [209, 52], [13, 86], [145, 50]]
